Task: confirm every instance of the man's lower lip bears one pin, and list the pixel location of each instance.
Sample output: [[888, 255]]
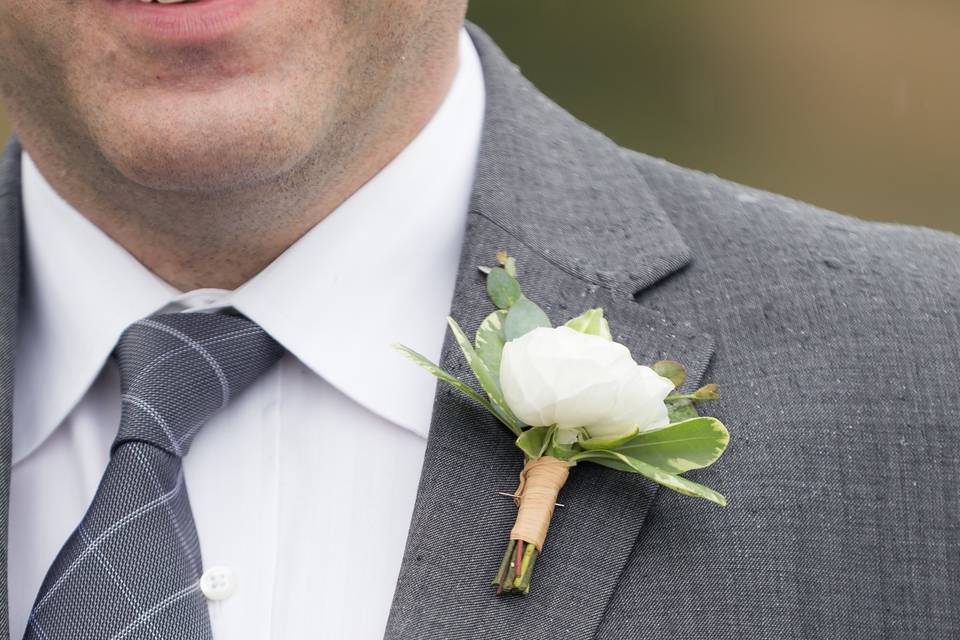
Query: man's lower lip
[[188, 22]]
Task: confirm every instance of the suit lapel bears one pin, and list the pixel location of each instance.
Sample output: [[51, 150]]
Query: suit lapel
[[587, 232], [10, 215]]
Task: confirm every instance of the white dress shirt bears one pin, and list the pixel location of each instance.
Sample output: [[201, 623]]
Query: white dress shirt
[[303, 487]]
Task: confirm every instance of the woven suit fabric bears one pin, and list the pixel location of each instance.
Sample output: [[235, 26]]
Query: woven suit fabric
[[132, 567]]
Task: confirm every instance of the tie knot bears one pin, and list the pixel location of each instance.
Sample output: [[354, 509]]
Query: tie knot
[[178, 369]]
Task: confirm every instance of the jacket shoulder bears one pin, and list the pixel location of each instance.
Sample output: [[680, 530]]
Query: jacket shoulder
[[721, 218]]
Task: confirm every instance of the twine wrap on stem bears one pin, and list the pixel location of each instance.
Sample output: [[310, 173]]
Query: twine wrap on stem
[[536, 497]]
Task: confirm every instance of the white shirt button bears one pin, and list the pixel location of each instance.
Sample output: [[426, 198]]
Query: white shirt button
[[218, 583]]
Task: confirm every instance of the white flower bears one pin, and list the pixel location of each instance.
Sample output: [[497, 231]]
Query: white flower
[[581, 382]]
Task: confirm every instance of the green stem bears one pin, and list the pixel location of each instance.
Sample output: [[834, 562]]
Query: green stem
[[507, 583], [528, 564], [504, 565], [526, 568], [518, 560], [692, 397]]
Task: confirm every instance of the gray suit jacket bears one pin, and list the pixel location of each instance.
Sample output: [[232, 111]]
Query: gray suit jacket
[[837, 347]]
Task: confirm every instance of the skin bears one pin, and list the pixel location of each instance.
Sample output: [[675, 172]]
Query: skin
[[207, 161]]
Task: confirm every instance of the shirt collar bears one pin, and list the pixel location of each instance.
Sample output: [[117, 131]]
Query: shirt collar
[[379, 269], [81, 290]]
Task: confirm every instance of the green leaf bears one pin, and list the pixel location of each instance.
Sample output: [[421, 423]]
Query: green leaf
[[524, 316], [534, 441], [676, 448], [679, 484], [672, 371], [680, 410], [591, 323], [435, 370], [489, 342], [707, 392], [607, 443], [503, 288], [561, 451], [485, 378]]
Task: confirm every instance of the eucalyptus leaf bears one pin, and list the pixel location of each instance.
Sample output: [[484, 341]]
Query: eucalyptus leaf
[[485, 378], [679, 484], [435, 370], [489, 342], [676, 448], [503, 289], [534, 441], [672, 371], [591, 323], [524, 316]]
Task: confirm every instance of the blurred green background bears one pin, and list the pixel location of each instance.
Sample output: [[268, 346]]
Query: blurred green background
[[853, 105]]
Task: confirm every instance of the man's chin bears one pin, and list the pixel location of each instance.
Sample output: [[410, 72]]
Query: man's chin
[[199, 175], [203, 160]]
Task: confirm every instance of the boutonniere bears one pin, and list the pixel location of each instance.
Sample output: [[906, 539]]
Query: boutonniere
[[571, 394]]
